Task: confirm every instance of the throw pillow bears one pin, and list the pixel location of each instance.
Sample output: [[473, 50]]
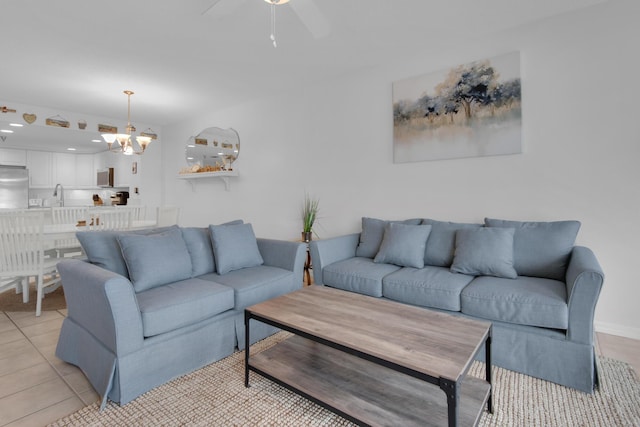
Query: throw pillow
[[103, 250], [157, 259], [403, 245], [541, 249], [442, 241], [234, 247], [372, 234], [199, 245], [484, 252]]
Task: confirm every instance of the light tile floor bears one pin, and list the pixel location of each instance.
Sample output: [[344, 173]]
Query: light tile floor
[[37, 388]]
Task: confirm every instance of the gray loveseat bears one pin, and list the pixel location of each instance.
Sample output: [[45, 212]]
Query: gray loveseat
[[527, 278], [151, 305]]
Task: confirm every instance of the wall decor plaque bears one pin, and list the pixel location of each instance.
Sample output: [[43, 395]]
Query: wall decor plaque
[[102, 128], [150, 133], [29, 117], [57, 121]]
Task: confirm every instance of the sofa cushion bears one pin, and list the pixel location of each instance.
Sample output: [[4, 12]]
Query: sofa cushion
[[541, 249], [199, 245], [403, 245], [484, 252], [234, 247], [256, 284], [155, 259], [442, 241], [102, 247], [434, 287], [530, 301], [357, 274], [372, 234], [182, 303]]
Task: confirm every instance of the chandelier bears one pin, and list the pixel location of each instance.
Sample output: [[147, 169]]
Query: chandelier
[[124, 139]]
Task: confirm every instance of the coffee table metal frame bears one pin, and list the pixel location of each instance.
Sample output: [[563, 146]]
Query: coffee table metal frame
[[449, 387]]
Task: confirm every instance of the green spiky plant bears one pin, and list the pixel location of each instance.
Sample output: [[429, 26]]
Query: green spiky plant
[[309, 213]]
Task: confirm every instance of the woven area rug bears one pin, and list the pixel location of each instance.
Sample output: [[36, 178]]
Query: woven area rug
[[215, 396], [10, 301]]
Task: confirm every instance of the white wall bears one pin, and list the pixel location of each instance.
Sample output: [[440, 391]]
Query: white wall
[[580, 137]]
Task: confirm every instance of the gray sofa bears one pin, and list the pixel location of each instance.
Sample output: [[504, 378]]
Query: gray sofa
[[151, 305], [527, 278]]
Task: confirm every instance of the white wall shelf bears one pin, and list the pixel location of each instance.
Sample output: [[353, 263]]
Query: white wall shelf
[[193, 177]]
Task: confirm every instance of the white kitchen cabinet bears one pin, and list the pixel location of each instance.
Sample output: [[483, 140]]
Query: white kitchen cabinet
[[64, 169], [73, 170], [39, 164], [85, 171], [9, 156]]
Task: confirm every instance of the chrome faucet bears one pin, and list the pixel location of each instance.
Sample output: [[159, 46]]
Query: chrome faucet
[[55, 193]]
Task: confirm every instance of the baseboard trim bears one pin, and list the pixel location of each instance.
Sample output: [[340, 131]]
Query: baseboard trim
[[616, 329]]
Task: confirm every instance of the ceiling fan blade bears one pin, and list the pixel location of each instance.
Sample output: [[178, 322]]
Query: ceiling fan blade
[[312, 17], [223, 7]]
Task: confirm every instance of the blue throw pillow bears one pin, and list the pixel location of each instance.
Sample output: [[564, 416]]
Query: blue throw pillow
[[372, 234], [156, 259], [541, 249], [484, 252], [442, 241], [198, 242], [403, 245], [103, 250], [199, 246], [234, 247]]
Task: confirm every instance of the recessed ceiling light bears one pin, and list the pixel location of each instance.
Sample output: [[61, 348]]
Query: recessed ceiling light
[[96, 140], [6, 131], [16, 125], [71, 149]]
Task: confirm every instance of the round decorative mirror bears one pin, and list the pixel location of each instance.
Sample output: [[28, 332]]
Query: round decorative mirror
[[213, 149]]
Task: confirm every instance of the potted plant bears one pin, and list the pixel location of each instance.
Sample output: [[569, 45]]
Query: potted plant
[[309, 215]]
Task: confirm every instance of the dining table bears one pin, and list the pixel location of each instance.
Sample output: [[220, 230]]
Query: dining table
[[68, 231]]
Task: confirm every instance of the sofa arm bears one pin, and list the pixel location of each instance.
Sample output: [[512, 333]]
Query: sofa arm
[[328, 251], [103, 303], [584, 282], [284, 254]]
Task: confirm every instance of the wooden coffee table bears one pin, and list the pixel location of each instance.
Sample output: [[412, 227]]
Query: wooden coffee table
[[374, 361]]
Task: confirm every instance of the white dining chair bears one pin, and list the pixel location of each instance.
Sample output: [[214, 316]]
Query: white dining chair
[[167, 215], [22, 253], [138, 213], [20, 284], [68, 215], [109, 219]]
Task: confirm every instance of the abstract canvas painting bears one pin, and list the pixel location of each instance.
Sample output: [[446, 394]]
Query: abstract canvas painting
[[469, 110]]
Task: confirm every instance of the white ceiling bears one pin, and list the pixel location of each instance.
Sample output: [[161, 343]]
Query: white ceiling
[[79, 55]]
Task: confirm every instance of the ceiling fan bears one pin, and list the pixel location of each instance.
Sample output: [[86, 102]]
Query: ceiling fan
[[306, 10]]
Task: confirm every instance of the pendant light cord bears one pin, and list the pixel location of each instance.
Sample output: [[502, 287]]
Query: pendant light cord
[[273, 24]]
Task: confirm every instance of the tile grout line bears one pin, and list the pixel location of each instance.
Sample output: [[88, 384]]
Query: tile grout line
[[58, 373]]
